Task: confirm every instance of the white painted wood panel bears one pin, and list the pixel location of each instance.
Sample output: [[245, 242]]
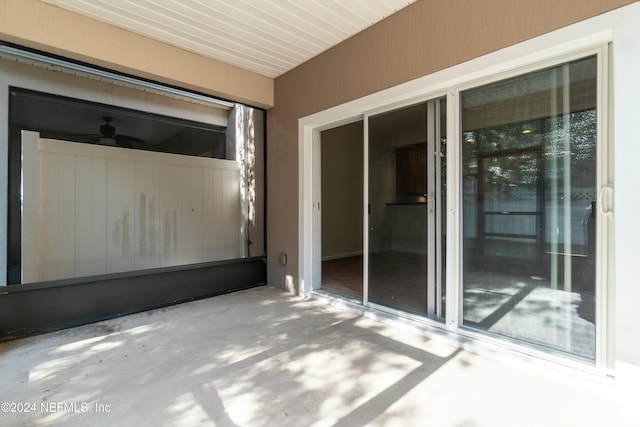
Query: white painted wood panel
[[49, 230], [91, 216], [193, 214], [146, 220], [120, 212], [106, 210], [170, 210], [213, 211], [57, 224], [230, 200], [66, 248]]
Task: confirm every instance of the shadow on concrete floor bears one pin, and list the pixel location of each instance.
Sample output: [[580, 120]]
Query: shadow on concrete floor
[[261, 357]]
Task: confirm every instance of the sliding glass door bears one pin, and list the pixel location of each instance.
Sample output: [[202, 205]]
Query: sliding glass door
[[526, 172], [406, 149], [342, 177], [529, 162]]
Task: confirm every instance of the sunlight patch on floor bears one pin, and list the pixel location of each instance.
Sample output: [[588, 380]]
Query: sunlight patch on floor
[[185, 411]]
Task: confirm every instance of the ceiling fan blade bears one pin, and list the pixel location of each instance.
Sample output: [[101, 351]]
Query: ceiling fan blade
[[129, 139], [94, 140], [123, 141]]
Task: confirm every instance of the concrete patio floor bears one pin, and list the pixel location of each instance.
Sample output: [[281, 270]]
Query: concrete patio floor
[[262, 357]]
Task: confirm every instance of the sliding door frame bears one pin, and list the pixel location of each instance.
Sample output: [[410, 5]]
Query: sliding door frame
[[433, 221], [528, 56], [604, 213]]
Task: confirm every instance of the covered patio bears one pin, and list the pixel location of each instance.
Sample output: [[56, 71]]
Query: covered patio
[[262, 357]]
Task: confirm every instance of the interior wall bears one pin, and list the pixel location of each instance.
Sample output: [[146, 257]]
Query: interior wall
[[342, 180], [424, 37], [37, 25], [382, 189]]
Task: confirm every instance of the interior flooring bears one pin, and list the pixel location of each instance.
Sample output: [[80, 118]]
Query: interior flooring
[[343, 275], [519, 307], [396, 279]]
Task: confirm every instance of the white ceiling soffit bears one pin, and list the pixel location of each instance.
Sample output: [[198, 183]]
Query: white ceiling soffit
[[269, 37]]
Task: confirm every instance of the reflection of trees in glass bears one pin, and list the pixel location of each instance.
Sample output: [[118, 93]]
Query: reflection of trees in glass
[[583, 136], [505, 151], [582, 149]]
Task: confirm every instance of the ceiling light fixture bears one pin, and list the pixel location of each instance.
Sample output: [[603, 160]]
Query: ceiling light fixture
[[527, 128]]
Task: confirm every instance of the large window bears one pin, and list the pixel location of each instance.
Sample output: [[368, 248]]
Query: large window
[[529, 165], [97, 188]]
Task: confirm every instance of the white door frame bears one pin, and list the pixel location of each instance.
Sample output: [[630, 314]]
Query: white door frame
[[561, 42], [587, 35]]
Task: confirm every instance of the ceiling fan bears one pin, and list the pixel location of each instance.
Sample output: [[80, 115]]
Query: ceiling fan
[[108, 136]]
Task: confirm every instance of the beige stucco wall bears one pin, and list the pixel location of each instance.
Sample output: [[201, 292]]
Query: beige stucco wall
[[38, 25], [427, 36]]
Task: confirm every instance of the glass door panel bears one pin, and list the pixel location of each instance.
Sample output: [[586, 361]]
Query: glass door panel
[[342, 171], [405, 232], [529, 195]]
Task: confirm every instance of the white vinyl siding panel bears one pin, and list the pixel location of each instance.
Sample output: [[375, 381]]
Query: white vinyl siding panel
[[192, 208], [120, 214], [214, 224], [57, 230], [105, 210], [232, 233], [146, 230], [169, 177], [91, 216]]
